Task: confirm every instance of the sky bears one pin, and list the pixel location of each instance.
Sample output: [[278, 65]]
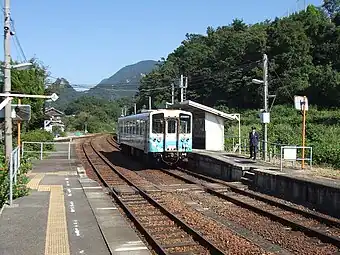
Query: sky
[[85, 41]]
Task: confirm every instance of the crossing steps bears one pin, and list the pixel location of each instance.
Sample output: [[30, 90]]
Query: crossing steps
[[248, 178]]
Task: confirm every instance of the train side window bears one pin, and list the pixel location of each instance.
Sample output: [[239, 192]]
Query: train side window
[[143, 123], [171, 126], [137, 127], [158, 123], [185, 123], [141, 126]]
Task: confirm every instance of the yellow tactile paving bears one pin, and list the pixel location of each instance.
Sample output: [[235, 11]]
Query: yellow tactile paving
[[56, 233], [34, 182], [62, 173], [44, 188]]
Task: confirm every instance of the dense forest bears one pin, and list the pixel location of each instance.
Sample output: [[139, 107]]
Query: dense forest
[[304, 59]]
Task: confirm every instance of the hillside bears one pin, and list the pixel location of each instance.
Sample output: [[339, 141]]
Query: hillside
[[65, 92], [124, 83], [303, 59]]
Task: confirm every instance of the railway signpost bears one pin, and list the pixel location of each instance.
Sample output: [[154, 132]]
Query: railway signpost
[[301, 104]]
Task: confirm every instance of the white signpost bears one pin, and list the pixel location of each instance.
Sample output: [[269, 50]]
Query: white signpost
[[301, 104], [24, 112], [54, 96]]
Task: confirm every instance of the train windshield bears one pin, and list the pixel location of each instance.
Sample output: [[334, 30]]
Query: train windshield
[[158, 123], [172, 126], [185, 123]]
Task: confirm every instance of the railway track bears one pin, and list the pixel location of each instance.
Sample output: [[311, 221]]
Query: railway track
[[312, 224], [166, 233]]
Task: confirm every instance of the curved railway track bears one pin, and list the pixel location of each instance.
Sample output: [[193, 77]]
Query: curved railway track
[[165, 232], [297, 218]]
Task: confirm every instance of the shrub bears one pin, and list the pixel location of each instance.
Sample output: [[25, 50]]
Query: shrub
[[322, 131], [37, 136]]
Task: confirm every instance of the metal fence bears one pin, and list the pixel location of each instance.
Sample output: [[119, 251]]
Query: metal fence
[[60, 150], [275, 155], [14, 170], [56, 150], [290, 153], [274, 149]]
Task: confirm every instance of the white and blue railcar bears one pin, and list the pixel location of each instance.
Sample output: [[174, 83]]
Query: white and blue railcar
[[162, 134]]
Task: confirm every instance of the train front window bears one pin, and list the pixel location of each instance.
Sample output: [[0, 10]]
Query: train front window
[[185, 123], [158, 123], [171, 126]]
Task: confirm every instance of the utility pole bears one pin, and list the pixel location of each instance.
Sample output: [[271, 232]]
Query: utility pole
[[181, 87], [172, 93], [149, 103], [135, 108], [185, 89], [265, 99], [7, 78]]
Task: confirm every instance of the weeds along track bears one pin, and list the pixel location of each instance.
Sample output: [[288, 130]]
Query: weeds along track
[[292, 227], [164, 231]]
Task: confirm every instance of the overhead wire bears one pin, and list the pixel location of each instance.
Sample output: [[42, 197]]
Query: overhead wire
[[15, 37]]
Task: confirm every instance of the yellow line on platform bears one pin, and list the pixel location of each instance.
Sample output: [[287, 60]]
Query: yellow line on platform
[[44, 188], [62, 173], [34, 182], [56, 234]]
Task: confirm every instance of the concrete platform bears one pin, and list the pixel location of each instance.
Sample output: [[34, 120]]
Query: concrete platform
[[322, 194], [65, 213]]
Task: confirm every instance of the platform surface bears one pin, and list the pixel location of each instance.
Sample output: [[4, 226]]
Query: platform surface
[[259, 165], [65, 213]]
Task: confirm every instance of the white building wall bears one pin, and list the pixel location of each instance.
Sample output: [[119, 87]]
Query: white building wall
[[214, 132]]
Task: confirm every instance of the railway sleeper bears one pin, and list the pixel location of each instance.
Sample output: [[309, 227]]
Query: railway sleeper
[[174, 245]]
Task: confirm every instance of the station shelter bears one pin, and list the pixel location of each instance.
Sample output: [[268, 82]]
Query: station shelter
[[208, 125]]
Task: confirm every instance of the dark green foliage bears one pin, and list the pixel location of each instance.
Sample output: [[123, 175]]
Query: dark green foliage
[[303, 51], [31, 81], [19, 189], [37, 135], [65, 92], [99, 115]]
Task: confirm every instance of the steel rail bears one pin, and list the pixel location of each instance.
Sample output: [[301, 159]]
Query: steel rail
[[295, 225], [307, 230], [158, 247]]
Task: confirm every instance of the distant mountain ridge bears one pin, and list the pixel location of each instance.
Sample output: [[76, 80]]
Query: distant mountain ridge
[[124, 83]]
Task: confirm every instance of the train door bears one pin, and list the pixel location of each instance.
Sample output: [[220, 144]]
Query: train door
[[146, 132], [170, 141], [157, 133]]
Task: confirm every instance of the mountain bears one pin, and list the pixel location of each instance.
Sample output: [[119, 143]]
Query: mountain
[[65, 92], [124, 83]]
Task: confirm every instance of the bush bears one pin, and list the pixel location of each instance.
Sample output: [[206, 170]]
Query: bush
[[37, 136], [19, 189], [322, 131]]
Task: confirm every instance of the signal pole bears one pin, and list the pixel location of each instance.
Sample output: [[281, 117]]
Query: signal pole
[[181, 87], [7, 78], [265, 99], [172, 93]]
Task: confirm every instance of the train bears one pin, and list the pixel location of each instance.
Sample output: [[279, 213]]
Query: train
[[163, 135]]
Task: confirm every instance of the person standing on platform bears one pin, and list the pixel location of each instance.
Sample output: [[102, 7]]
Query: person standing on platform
[[253, 143]]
